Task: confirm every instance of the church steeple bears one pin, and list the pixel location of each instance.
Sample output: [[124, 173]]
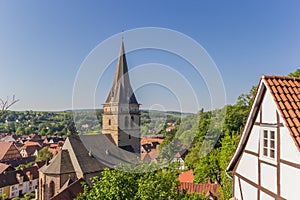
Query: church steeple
[[121, 116], [121, 91]]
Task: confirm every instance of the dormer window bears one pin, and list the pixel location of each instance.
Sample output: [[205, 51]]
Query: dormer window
[[268, 143]]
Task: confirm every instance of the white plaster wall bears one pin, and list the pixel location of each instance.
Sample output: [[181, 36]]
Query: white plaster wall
[[269, 177], [252, 143], [237, 193], [249, 192], [288, 149], [289, 182], [268, 109], [34, 183], [15, 192], [281, 119], [248, 167], [264, 196]]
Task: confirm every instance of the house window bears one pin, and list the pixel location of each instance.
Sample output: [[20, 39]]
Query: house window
[[268, 143]]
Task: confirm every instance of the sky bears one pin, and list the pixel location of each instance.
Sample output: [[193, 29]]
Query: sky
[[44, 44]]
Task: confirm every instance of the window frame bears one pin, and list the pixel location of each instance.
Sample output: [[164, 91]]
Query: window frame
[[268, 143]]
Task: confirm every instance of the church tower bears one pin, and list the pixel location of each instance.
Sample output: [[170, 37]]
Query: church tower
[[121, 117]]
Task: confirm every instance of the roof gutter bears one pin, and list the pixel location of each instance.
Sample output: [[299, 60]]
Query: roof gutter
[[228, 175]]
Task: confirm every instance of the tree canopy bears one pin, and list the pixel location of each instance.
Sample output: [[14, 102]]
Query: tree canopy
[[295, 73], [44, 154], [212, 164], [118, 184]]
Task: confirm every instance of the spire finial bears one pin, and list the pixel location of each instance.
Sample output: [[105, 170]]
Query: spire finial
[[122, 35]]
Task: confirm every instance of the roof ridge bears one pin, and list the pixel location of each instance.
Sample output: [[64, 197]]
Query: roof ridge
[[280, 77]]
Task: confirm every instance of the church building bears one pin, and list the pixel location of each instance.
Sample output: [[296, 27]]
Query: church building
[[85, 156], [121, 117]]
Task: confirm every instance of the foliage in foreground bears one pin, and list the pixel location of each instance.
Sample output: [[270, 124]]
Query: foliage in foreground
[[226, 124], [117, 184], [27, 196]]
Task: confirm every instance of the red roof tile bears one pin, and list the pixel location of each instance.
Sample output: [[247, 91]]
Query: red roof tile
[[186, 177], [3, 167], [275, 82], [207, 188], [8, 151], [288, 89], [292, 114], [4, 147], [295, 97]]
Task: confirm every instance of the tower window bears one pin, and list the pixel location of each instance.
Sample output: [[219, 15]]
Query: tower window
[[51, 189], [129, 136], [109, 122], [126, 122], [132, 121]]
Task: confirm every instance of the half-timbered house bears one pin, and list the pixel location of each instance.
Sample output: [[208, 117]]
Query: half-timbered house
[[266, 163]]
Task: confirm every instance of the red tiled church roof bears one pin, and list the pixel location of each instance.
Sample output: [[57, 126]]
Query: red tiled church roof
[[286, 93]]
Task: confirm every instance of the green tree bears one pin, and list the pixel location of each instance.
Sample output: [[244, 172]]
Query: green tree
[[162, 184], [208, 167], [28, 196], [20, 130], [193, 196], [295, 73], [3, 196], [214, 163], [114, 184], [229, 143], [44, 154], [149, 184]]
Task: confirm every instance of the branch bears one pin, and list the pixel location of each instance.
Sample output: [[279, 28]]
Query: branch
[[6, 104]]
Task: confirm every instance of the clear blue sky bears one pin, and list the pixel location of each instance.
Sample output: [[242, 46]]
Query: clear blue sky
[[43, 43]]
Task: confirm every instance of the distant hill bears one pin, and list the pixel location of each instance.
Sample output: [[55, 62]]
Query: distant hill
[[62, 122]]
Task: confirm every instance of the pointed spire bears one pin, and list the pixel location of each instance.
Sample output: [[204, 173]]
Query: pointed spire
[[121, 91]]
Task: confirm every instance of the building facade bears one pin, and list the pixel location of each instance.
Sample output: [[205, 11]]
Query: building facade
[[266, 163], [19, 182]]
